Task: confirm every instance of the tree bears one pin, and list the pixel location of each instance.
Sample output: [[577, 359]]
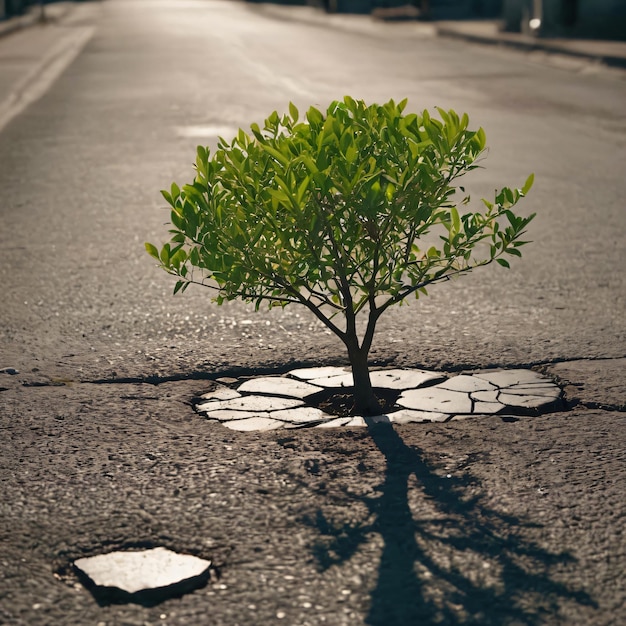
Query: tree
[[347, 213]]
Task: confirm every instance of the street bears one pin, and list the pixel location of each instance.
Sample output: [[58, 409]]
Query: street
[[92, 455]]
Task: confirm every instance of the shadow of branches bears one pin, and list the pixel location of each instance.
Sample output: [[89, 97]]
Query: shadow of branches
[[454, 562]]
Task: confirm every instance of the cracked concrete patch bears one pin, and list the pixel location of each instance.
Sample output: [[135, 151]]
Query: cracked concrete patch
[[407, 416], [275, 385], [254, 403], [487, 407], [309, 373], [485, 396], [533, 402], [272, 402], [437, 399], [255, 423], [510, 378], [390, 379], [301, 415], [143, 575], [467, 383], [536, 390], [221, 393]]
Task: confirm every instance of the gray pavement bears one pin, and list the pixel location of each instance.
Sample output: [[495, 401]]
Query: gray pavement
[[43, 57], [610, 53]]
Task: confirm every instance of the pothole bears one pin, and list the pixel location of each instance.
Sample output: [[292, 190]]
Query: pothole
[[134, 575], [322, 398]]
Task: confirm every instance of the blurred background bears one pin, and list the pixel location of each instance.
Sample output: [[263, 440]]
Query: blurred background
[[600, 19]]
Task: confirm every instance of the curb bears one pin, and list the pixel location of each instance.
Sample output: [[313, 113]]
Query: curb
[[531, 44], [17, 23], [53, 13], [364, 23]]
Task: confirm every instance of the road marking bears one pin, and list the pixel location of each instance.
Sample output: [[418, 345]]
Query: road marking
[[207, 131], [268, 76], [36, 82]]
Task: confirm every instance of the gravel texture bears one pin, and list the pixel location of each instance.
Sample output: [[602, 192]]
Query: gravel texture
[[487, 520]]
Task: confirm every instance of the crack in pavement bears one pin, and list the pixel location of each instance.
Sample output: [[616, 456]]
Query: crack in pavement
[[246, 372], [593, 383]]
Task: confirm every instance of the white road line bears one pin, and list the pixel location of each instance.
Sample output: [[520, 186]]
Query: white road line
[[263, 73], [36, 82]]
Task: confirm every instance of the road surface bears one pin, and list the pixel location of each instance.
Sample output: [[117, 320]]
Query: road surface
[[309, 528]]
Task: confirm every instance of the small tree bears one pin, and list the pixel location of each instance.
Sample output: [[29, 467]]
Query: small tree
[[346, 213]]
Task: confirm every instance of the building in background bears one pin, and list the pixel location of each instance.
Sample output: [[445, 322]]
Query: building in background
[[594, 19], [601, 19]]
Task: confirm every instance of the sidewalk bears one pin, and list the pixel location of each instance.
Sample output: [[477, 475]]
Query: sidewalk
[[35, 53], [610, 53], [52, 12]]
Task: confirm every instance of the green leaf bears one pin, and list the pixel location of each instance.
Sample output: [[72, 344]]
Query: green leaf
[[528, 184], [481, 137], [152, 251], [456, 220], [279, 156], [503, 262], [168, 197], [293, 111], [314, 117], [302, 189], [256, 131]]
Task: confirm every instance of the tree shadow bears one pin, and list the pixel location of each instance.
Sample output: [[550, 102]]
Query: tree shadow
[[462, 563]]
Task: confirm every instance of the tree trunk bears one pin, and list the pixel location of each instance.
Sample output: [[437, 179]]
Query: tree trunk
[[365, 402]]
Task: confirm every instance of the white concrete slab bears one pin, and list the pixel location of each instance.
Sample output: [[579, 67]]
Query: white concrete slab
[[226, 415], [467, 383], [402, 378], [437, 400], [530, 402], [280, 386], [253, 403], [485, 396], [507, 378], [309, 373], [300, 415], [487, 407], [343, 380], [141, 570], [221, 393], [407, 416], [254, 423], [390, 379], [552, 391]]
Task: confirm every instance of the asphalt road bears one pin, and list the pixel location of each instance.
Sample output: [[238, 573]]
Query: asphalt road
[[88, 465], [81, 171]]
